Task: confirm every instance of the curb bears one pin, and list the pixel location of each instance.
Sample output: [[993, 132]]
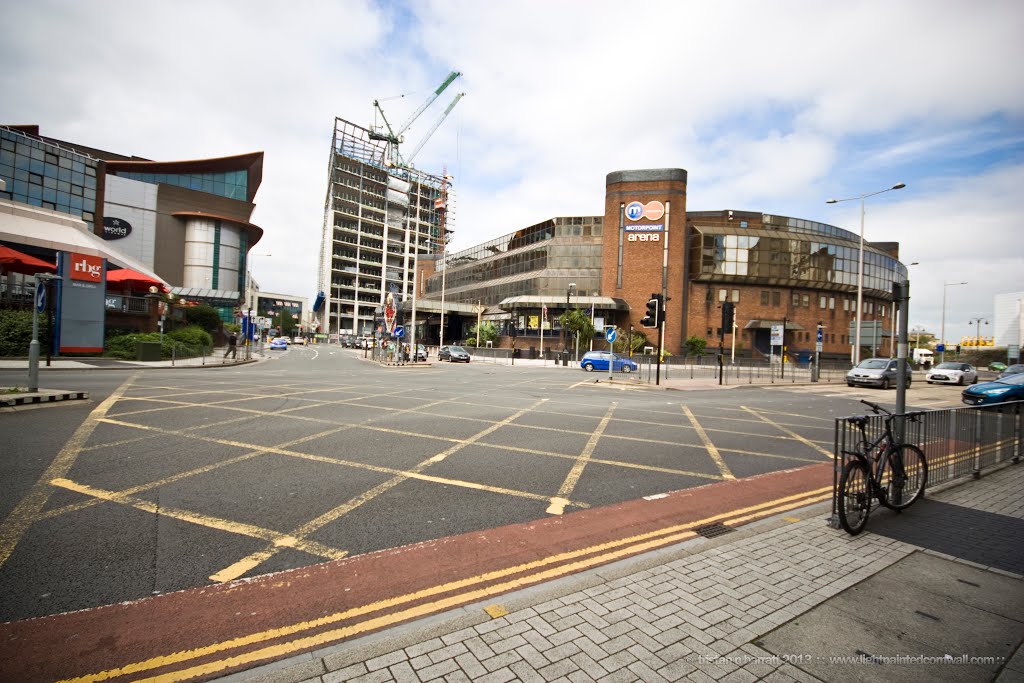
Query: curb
[[30, 399]]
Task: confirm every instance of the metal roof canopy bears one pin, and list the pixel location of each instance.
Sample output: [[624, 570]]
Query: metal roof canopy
[[536, 301], [767, 325]]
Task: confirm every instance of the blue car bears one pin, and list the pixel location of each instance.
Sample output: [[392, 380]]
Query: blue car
[[278, 343], [598, 360], [1009, 388]]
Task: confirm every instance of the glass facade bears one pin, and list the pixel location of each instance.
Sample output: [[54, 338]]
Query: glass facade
[[540, 260], [230, 184], [792, 258], [48, 176]]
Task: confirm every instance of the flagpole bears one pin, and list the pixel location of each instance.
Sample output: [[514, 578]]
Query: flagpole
[[543, 317]]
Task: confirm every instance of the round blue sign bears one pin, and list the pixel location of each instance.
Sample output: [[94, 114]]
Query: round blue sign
[[610, 335], [634, 211]]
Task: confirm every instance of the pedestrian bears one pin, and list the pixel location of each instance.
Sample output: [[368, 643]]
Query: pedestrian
[[232, 346]]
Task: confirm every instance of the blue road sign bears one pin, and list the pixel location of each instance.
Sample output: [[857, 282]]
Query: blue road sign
[[939, 348], [40, 297], [819, 334], [399, 331], [609, 334]]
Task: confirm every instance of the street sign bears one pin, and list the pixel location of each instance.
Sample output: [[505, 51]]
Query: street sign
[[819, 338], [399, 331], [610, 334], [40, 296], [940, 348], [776, 335], [817, 347]]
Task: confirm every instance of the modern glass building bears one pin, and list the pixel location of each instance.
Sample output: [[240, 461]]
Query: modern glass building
[[775, 270]]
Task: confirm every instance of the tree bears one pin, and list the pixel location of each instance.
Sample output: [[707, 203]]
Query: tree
[[203, 316], [285, 321], [695, 345], [578, 322], [487, 332], [636, 343]]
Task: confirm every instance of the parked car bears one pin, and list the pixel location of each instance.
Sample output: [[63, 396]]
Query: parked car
[[453, 354], [996, 366], [876, 372], [278, 343], [952, 373], [1014, 369], [301, 341], [1009, 388], [598, 360]]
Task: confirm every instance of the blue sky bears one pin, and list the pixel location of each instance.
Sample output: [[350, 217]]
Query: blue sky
[[771, 107]]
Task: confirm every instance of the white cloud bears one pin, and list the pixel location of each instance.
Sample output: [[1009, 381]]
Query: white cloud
[[769, 106]]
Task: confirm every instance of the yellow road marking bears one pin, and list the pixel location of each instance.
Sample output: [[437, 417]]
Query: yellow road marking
[[255, 559], [712, 451], [28, 509], [208, 521], [560, 500], [791, 433], [495, 611], [610, 551]]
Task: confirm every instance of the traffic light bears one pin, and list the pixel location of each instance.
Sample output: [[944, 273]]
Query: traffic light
[[653, 316], [728, 311]]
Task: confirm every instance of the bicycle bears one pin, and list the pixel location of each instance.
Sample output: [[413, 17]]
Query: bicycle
[[893, 473]]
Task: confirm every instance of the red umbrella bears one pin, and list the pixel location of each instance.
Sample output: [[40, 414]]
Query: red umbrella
[[133, 280], [12, 261]]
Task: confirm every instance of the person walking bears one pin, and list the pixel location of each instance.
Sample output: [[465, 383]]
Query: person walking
[[232, 346]]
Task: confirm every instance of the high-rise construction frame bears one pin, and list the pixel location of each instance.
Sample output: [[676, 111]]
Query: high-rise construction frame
[[379, 217]]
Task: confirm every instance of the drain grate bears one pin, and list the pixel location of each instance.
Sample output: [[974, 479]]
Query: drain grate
[[713, 530]]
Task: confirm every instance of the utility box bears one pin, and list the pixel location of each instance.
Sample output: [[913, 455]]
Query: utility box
[[148, 351]]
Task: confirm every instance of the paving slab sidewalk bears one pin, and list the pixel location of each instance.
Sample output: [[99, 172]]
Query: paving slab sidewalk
[[786, 599]]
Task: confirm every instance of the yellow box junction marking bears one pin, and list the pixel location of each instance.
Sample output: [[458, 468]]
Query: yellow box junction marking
[[712, 451], [607, 552], [28, 509], [253, 560], [560, 500], [827, 454]]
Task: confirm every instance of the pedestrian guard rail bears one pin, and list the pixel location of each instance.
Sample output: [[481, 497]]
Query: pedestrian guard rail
[[957, 442], [739, 371]]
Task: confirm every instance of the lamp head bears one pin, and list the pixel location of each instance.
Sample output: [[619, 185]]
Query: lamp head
[[899, 186], [831, 201], [153, 290]]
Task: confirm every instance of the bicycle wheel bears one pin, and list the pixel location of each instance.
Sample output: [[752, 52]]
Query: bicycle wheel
[[854, 497], [907, 476]]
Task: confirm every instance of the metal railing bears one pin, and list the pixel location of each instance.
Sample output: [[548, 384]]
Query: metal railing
[[957, 442], [741, 371]]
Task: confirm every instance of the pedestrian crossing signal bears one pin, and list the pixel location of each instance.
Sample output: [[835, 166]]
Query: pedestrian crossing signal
[[653, 317]]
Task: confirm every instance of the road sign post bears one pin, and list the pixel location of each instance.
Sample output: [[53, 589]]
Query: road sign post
[[609, 334]]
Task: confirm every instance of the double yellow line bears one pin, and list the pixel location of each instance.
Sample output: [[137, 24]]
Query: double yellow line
[[461, 592]]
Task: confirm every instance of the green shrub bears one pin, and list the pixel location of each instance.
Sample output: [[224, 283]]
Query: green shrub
[[193, 335], [16, 333]]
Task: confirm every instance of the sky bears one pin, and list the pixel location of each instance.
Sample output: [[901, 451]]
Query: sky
[[772, 107]]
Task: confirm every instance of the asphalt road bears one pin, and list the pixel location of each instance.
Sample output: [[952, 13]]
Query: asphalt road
[[167, 480]]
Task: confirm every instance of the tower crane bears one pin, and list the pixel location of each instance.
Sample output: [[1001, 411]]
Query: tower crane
[[437, 123], [395, 138]]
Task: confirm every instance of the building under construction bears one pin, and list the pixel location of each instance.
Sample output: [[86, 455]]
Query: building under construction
[[379, 218]]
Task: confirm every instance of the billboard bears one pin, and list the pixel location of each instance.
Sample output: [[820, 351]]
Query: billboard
[[81, 304]]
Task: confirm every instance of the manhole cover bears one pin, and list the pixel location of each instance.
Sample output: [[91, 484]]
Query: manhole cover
[[712, 530]]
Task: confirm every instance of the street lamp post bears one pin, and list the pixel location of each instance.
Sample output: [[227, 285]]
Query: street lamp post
[[977, 331], [860, 261], [942, 331]]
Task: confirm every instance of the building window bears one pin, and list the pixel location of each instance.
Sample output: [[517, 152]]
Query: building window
[[764, 297], [796, 299], [776, 298], [846, 305], [807, 300], [735, 296], [722, 294], [832, 303], [821, 301]]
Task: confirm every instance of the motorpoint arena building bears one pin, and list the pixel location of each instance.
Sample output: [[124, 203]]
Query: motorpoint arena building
[[773, 268]]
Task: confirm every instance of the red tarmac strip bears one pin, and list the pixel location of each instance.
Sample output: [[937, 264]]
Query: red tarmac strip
[[178, 631]]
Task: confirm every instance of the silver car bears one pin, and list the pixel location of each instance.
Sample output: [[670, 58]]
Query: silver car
[[952, 373], [876, 372]]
